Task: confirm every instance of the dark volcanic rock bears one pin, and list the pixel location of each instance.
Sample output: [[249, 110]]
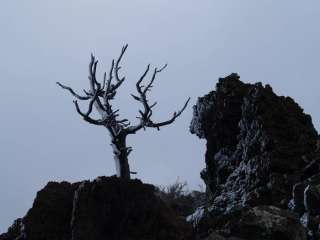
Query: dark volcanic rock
[[107, 208], [268, 223], [111, 208], [257, 144], [49, 217], [306, 203], [261, 223], [14, 232]]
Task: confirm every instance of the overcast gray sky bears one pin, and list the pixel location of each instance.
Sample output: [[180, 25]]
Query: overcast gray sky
[[41, 136]]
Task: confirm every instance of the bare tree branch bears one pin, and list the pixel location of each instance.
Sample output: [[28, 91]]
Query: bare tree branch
[[85, 117], [117, 68], [73, 92], [155, 72], [174, 117]]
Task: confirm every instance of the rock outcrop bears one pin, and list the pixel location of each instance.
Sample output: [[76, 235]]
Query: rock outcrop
[[259, 145], [106, 208]]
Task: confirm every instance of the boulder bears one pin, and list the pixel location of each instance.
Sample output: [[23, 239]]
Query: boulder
[[268, 223], [306, 203], [261, 223]]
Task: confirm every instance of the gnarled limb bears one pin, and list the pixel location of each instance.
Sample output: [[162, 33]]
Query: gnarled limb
[[74, 93], [146, 113]]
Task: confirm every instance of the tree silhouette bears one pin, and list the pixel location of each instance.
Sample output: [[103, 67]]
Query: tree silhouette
[[100, 96]]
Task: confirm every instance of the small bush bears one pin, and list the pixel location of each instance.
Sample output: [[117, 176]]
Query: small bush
[[183, 201]]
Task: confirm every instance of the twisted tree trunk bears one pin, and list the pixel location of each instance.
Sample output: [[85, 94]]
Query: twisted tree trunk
[[121, 152]]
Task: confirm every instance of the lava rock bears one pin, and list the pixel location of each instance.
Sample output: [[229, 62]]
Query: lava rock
[[268, 223], [258, 144], [261, 223], [112, 208], [306, 202], [106, 208], [215, 236], [49, 217], [14, 232]]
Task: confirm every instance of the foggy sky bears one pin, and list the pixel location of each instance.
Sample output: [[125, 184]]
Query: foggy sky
[[41, 136]]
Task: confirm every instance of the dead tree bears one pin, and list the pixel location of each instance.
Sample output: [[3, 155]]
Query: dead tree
[[100, 95]]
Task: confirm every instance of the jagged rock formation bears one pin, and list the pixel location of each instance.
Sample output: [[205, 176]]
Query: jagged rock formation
[[259, 145], [107, 208]]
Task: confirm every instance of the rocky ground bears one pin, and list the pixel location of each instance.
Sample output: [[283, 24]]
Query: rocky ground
[[262, 181]]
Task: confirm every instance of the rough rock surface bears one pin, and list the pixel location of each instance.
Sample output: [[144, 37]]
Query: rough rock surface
[[106, 208], [262, 223], [259, 145], [268, 223], [306, 203], [14, 232]]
